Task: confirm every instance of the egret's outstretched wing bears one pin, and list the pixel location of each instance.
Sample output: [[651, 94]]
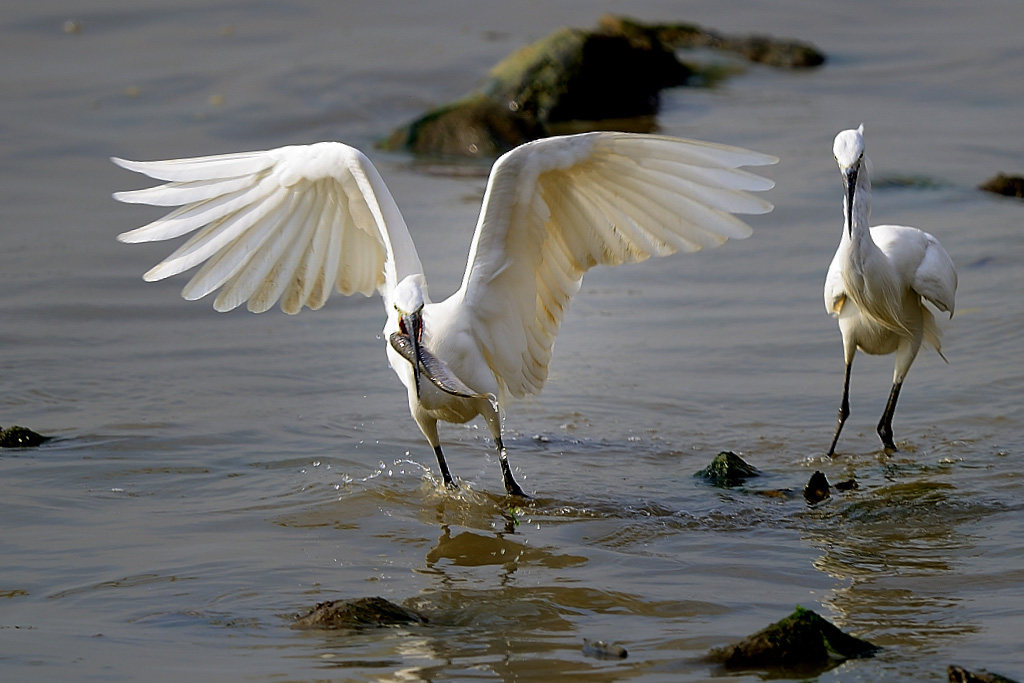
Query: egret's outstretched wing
[[291, 223], [559, 206]]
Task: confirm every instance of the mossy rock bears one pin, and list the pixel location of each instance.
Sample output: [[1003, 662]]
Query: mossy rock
[[728, 469], [803, 640], [21, 437], [1007, 185], [958, 674], [356, 614], [779, 53], [575, 80]]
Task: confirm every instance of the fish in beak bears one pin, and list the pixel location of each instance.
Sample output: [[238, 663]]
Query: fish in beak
[[436, 370]]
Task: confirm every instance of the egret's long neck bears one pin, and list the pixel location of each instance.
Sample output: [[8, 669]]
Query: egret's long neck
[[868, 274]]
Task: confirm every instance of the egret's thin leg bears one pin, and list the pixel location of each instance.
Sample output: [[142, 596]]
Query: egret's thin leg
[[448, 481], [885, 424], [844, 409], [511, 487]]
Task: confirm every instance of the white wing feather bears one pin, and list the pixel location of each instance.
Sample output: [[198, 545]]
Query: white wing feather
[[914, 251], [559, 206], [292, 223], [835, 288]]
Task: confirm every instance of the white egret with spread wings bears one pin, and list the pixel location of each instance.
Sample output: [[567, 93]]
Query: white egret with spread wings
[[295, 223]]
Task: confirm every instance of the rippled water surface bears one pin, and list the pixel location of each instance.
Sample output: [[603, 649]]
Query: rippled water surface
[[215, 474]]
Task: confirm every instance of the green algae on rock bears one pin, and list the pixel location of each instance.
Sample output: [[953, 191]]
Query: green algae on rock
[[728, 469], [21, 437], [355, 614], [803, 640]]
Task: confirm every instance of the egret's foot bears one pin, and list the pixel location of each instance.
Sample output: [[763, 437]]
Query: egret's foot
[[515, 491], [511, 487], [885, 434]]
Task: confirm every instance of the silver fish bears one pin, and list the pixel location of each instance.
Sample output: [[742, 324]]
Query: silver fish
[[434, 368]]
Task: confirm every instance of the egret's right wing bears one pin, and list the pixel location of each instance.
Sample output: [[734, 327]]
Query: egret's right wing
[[556, 207], [291, 223]]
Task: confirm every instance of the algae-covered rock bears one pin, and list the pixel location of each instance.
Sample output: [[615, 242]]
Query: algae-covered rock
[[612, 73], [1008, 185], [802, 640], [728, 469], [474, 126], [360, 613], [571, 74], [958, 674], [781, 53], [21, 437]]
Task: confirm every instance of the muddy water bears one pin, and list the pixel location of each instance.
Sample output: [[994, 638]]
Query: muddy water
[[215, 474]]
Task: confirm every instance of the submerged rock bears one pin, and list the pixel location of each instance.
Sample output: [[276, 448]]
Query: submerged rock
[[818, 488], [1008, 185], [21, 437], [614, 72], [602, 650], [958, 674], [360, 613], [728, 469], [803, 640]]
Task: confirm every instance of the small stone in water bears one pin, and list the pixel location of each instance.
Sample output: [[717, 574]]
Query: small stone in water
[[21, 437], [602, 650], [817, 488]]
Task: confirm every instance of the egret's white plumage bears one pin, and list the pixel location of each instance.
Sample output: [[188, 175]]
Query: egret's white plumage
[[291, 224], [878, 281]]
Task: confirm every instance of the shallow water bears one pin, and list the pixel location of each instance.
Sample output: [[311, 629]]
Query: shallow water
[[215, 474]]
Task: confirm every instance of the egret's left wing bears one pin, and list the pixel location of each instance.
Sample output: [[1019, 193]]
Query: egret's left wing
[[935, 278], [835, 288], [556, 207], [291, 223]]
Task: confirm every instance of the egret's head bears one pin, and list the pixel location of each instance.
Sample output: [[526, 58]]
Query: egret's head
[[408, 298], [408, 302], [848, 149]]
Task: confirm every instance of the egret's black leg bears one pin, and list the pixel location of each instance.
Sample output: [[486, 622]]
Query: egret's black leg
[[844, 409], [511, 487], [885, 424], [448, 481]]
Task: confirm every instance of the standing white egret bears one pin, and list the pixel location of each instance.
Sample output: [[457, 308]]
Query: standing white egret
[[878, 281], [295, 222]]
